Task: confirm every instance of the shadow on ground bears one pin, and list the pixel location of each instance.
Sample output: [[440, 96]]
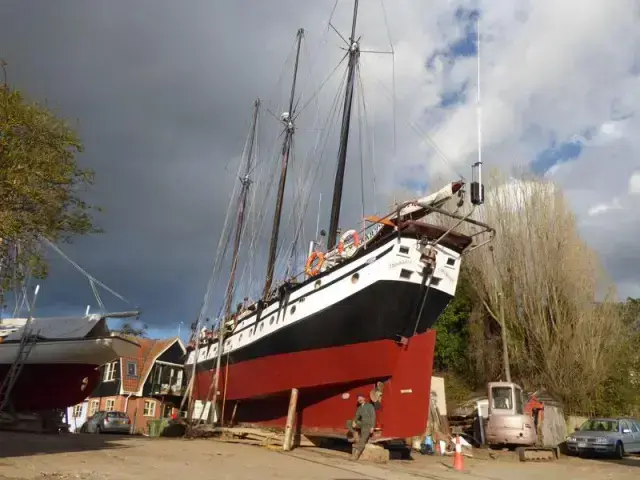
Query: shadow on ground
[[628, 461], [397, 451], [14, 444]]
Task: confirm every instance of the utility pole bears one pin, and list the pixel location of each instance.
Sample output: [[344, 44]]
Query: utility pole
[[505, 348]]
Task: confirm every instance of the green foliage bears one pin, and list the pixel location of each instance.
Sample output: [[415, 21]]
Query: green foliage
[[457, 389], [40, 183], [452, 329]]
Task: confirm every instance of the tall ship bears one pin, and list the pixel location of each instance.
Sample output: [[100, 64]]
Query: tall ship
[[358, 319]]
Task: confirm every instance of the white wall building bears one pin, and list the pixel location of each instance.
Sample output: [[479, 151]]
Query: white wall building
[[77, 415]]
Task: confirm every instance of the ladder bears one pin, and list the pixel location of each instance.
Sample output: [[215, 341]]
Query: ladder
[[27, 342]]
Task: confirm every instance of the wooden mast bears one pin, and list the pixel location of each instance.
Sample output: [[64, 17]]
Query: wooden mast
[[288, 120]]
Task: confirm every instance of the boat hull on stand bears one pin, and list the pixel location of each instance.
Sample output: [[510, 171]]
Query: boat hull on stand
[[329, 381], [334, 337], [60, 373]]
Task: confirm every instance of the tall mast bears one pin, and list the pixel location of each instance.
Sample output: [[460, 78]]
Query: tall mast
[[354, 55], [287, 119], [242, 203]]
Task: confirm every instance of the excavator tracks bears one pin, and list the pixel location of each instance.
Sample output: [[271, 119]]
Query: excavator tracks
[[537, 454]]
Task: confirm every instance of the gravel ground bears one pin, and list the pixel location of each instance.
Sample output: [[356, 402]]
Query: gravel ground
[[93, 457]]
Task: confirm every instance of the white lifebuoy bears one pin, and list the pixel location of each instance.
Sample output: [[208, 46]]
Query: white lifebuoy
[[355, 243]]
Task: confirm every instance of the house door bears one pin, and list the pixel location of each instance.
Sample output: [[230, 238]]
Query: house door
[[166, 410]]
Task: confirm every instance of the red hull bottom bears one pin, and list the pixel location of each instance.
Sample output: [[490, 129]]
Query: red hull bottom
[[328, 381], [51, 386]]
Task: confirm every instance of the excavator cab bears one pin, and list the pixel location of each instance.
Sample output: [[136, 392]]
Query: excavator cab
[[509, 424]]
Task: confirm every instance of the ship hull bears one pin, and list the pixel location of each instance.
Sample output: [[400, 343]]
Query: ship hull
[[328, 381], [333, 337], [59, 373], [381, 333]]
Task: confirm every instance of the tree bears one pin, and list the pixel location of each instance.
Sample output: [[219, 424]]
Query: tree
[[129, 329], [452, 332], [546, 279], [41, 185]]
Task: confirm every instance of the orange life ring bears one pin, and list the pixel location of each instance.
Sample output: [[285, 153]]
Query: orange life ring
[[309, 268], [345, 235]]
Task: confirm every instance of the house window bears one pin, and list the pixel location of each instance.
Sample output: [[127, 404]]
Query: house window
[[93, 407], [149, 408], [110, 405], [110, 371], [77, 411], [132, 369]]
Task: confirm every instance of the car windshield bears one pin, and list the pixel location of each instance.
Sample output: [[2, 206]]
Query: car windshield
[[598, 425], [117, 415]]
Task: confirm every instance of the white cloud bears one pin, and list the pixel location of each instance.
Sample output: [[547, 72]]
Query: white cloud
[[602, 208], [634, 183], [550, 70]]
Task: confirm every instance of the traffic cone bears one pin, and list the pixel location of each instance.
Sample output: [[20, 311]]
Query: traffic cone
[[457, 457]]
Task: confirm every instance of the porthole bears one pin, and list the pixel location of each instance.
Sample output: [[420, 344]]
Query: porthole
[[293, 310], [261, 326], [317, 284], [240, 337], [355, 277], [271, 321]]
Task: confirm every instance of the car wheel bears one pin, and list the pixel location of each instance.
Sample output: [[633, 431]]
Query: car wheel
[[619, 454]]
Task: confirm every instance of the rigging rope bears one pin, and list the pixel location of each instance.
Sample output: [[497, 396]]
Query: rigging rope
[[92, 280], [393, 75]]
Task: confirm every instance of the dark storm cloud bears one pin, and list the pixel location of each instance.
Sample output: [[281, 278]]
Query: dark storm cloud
[[162, 94]]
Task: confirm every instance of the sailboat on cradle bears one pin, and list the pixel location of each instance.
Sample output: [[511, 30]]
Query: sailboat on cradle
[[361, 319]]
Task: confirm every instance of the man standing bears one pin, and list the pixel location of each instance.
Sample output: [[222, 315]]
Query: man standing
[[361, 427]]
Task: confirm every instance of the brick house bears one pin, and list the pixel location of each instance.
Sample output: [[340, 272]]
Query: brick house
[[148, 386]]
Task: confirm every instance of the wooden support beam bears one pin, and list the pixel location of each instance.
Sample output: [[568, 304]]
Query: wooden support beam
[[289, 431]]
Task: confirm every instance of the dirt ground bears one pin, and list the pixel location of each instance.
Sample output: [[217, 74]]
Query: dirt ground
[[92, 457]]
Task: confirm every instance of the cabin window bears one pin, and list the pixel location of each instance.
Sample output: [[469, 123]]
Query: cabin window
[[502, 398], [110, 371], [404, 249], [519, 402], [451, 261], [149, 408], [293, 310], [404, 273], [110, 405], [77, 411], [132, 369]]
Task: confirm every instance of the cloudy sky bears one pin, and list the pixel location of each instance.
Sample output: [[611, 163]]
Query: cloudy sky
[[161, 93]]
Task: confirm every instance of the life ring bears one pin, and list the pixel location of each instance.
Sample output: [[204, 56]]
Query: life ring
[[349, 233], [309, 268]]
